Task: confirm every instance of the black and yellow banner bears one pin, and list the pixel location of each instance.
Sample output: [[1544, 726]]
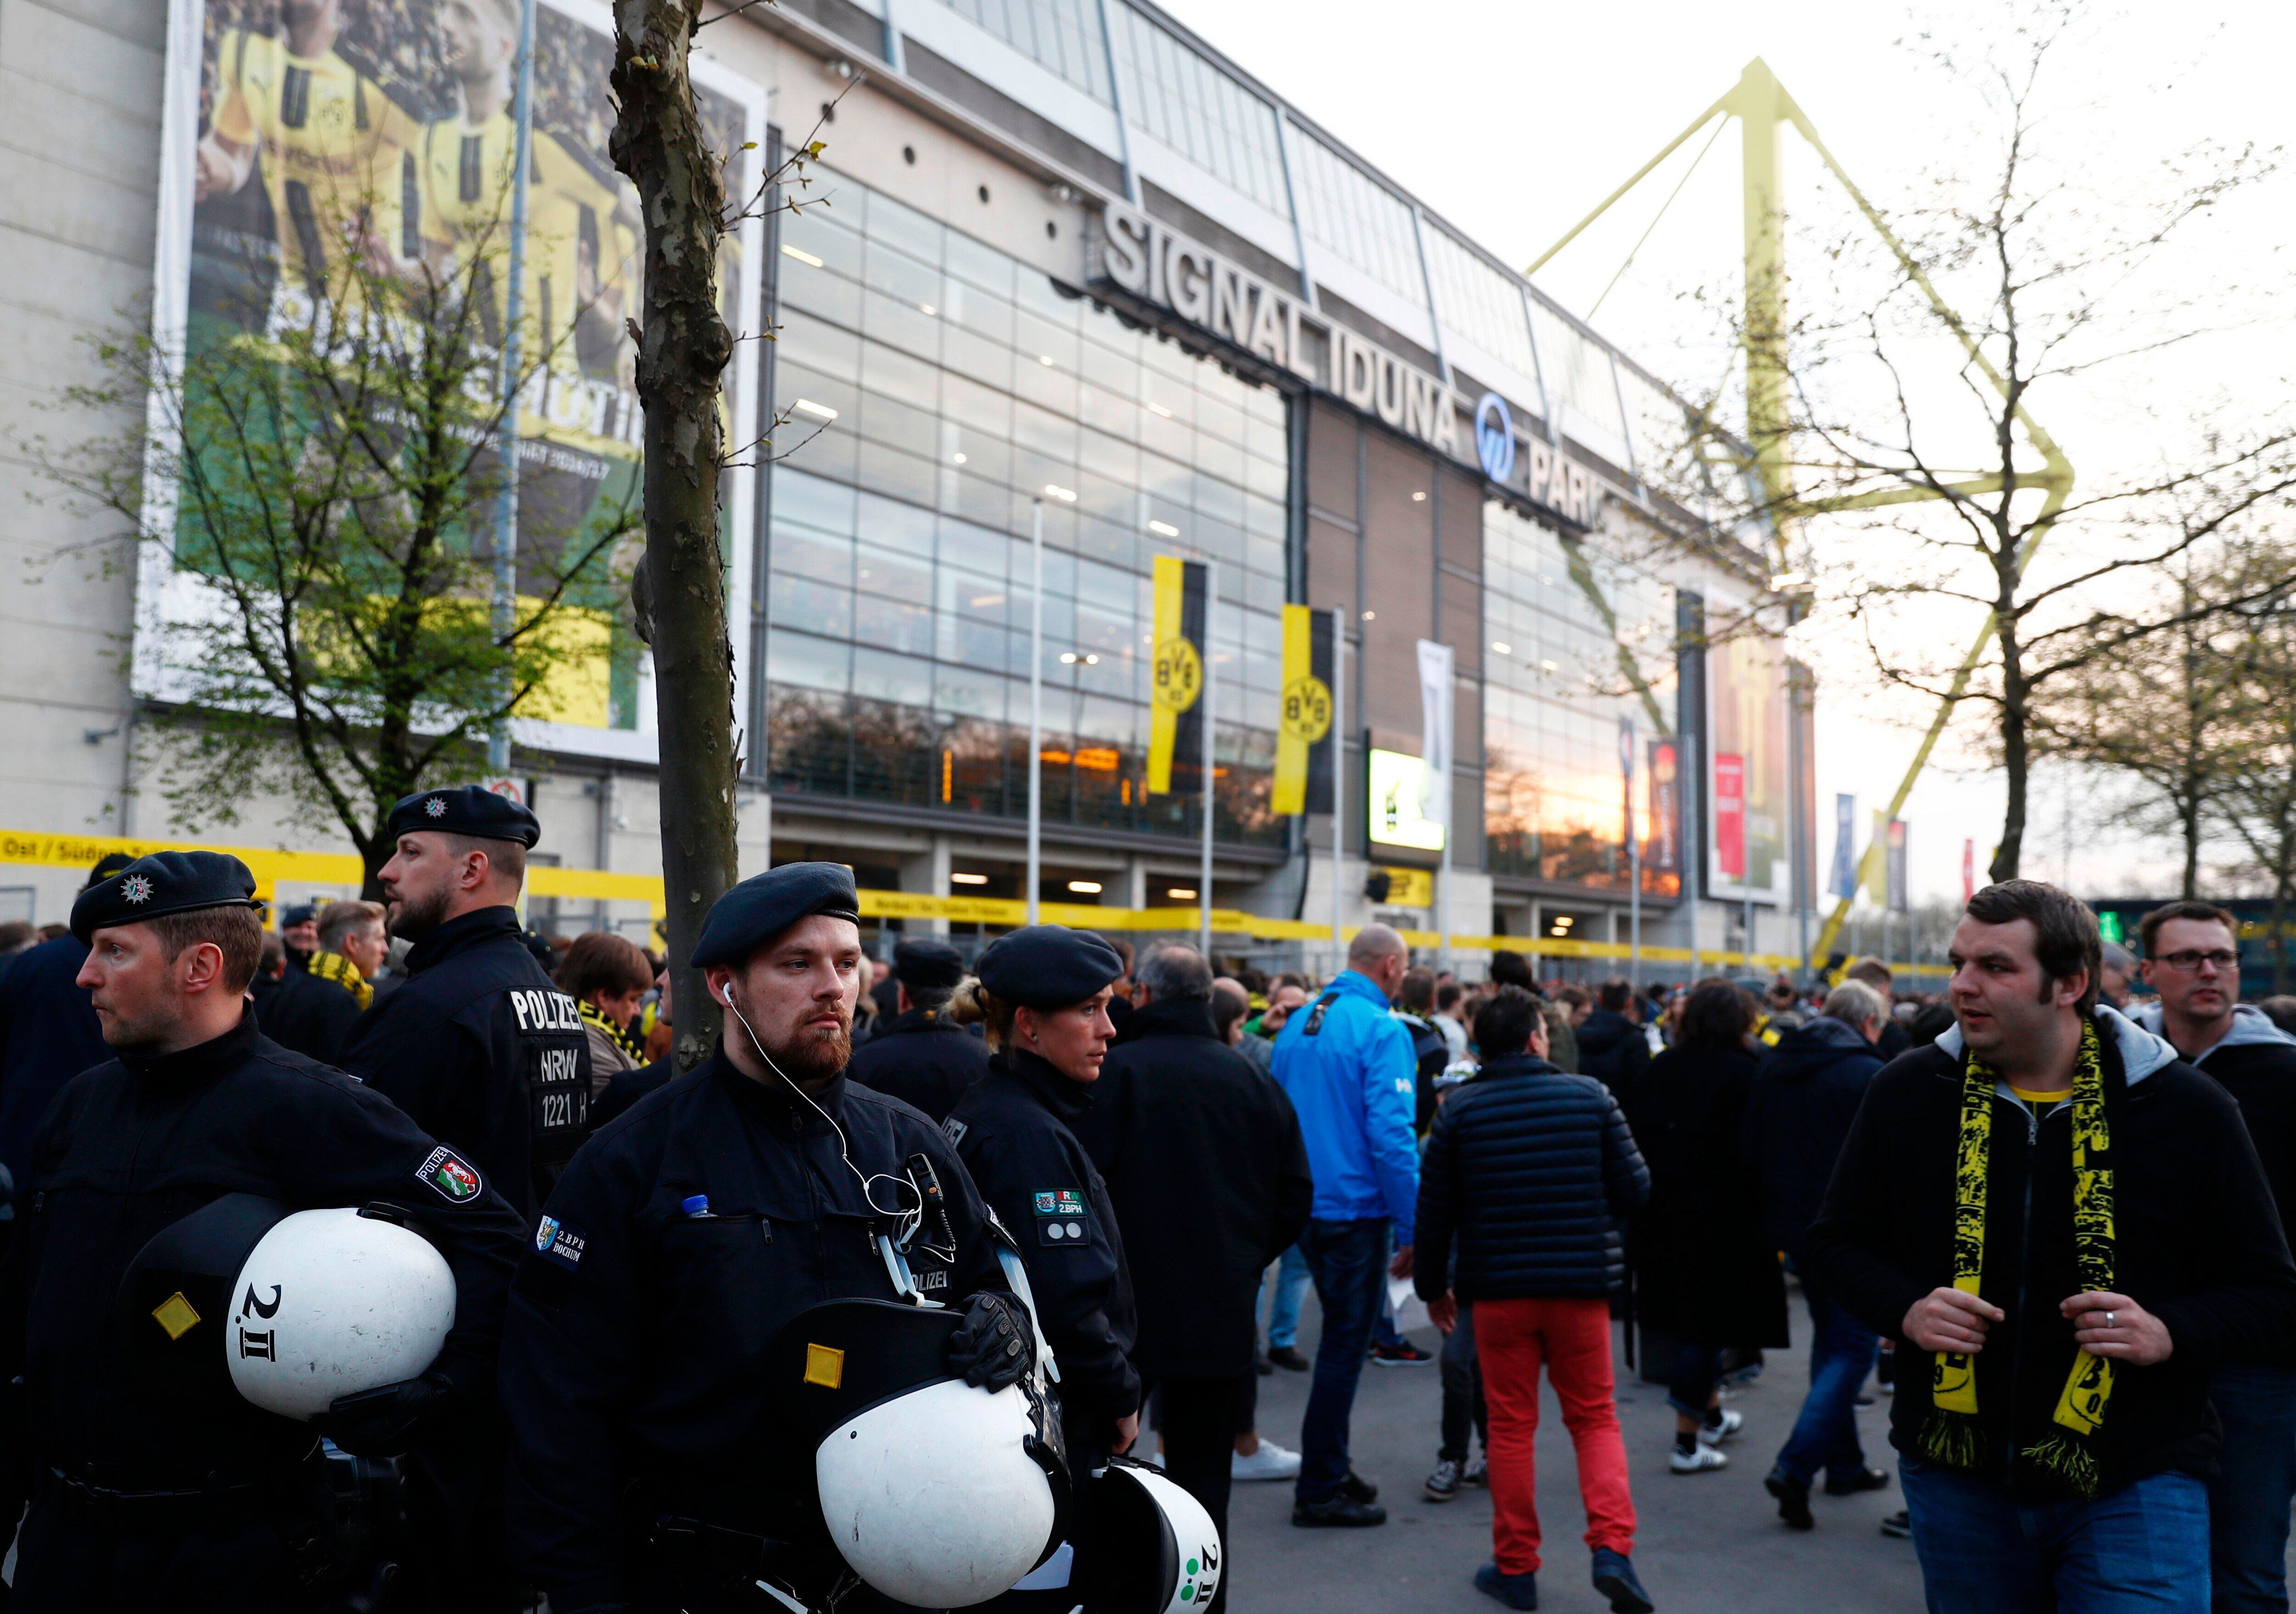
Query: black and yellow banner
[[1176, 684], [1303, 733]]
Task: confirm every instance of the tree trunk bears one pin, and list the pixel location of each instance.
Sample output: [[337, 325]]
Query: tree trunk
[[2016, 759], [682, 350]]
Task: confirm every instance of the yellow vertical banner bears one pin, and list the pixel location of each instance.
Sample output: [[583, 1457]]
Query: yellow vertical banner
[[1304, 720], [1176, 677]]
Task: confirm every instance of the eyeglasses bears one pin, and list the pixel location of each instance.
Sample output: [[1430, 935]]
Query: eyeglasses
[[2185, 963]]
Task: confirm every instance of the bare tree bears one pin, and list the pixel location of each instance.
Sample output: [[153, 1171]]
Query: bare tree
[[662, 143], [2169, 710], [2257, 796], [326, 487], [1954, 495]]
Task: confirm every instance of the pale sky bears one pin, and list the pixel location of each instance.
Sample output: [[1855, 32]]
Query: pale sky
[[1513, 120]]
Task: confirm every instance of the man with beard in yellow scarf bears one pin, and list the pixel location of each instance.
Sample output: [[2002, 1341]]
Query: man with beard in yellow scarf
[[2066, 1226]]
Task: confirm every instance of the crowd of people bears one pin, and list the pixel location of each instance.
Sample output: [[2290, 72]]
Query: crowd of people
[[2045, 1204]]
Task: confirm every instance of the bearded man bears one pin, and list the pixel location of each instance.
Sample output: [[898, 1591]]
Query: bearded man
[[479, 1046], [637, 1367]]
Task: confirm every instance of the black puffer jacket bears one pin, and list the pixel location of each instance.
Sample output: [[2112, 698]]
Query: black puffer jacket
[[1535, 1172], [1614, 1051], [1803, 1101]]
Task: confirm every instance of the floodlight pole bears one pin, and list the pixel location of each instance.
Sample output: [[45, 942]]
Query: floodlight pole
[[1211, 683], [505, 595], [1036, 701], [1339, 776]]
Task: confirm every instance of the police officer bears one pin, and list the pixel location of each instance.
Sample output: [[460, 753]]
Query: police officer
[[648, 1469], [1044, 991], [48, 1034], [478, 1045], [923, 1057], [143, 1498]]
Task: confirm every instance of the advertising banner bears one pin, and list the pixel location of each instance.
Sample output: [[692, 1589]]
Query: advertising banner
[[1900, 899], [1730, 814], [1844, 880], [353, 162], [1435, 730], [1176, 734], [1662, 845], [1303, 731], [1746, 715]]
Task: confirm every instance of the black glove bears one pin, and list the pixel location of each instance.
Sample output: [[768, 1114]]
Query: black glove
[[386, 1422], [992, 1348]]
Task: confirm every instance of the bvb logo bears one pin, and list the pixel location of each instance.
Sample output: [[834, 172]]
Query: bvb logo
[[1180, 674], [1306, 709]]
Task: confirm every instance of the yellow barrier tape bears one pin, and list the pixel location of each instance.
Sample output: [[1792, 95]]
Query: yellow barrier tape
[[601, 884]]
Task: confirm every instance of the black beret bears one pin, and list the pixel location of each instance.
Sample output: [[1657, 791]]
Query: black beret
[[763, 906], [1048, 967], [164, 883], [927, 965], [466, 810], [302, 913]]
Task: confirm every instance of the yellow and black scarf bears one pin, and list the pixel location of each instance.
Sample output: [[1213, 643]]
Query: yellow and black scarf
[[1952, 1434], [334, 967], [622, 1039]]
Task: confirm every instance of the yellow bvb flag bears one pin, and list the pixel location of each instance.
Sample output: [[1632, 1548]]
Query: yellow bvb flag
[[1303, 731], [1176, 680]]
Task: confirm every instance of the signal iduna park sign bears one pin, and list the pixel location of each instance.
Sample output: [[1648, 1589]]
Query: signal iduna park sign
[[1157, 265]]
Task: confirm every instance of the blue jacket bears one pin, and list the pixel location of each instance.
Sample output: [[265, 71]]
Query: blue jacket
[[1348, 1068], [1535, 1172]]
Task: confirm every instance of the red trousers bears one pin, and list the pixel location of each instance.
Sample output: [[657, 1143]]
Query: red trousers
[[1573, 1338]]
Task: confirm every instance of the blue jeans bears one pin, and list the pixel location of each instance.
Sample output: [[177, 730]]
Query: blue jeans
[[2141, 1550], [1841, 1351], [1348, 1262], [1697, 1370], [1283, 1308], [1465, 1412], [2248, 1505]]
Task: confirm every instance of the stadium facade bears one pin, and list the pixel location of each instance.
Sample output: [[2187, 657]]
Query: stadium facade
[[1059, 260]]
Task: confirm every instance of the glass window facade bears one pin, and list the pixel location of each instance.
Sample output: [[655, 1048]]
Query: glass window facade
[[1558, 679], [1477, 301], [935, 386], [1578, 378], [1361, 221], [1187, 103], [1061, 35]]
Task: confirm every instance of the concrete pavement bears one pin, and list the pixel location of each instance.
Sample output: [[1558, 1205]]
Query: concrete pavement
[[1710, 1543]]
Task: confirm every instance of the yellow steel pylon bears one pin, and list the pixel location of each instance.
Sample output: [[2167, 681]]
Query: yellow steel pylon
[[1761, 104]]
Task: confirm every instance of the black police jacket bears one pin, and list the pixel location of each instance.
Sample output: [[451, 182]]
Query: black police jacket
[[307, 1015], [632, 1360], [48, 1035], [484, 1052], [135, 1145], [924, 1059], [1210, 1184], [1012, 1130]]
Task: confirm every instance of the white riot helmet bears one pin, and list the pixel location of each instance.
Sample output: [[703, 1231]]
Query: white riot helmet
[[932, 1497], [290, 1309], [1151, 1547], [937, 1494]]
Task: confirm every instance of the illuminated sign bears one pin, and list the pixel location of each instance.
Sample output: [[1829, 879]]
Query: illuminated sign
[[1146, 259], [1396, 819]]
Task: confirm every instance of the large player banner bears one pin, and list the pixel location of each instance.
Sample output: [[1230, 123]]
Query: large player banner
[[315, 145]]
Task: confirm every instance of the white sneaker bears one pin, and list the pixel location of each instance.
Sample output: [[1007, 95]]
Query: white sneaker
[[1715, 1434], [1270, 1461], [1696, 1463]]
